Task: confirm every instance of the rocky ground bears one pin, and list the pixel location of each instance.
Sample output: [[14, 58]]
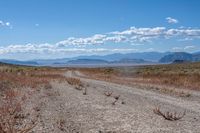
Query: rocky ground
[[65, 108]]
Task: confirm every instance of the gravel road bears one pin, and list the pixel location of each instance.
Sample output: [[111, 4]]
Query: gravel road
[[65, 109]]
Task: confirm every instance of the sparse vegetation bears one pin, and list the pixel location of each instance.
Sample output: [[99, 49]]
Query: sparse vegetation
[[55, 99], [74, 81], [168, 115], [162, 78], [11, 114], [23, 76], [108, 93], [61, 123]]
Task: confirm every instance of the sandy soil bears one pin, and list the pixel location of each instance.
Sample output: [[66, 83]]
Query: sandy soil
[[63, 108]]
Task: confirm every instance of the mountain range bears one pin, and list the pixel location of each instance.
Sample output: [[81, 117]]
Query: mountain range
[[117, 58], [181, 56]]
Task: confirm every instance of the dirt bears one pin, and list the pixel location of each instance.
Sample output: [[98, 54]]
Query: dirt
[[63, 108]]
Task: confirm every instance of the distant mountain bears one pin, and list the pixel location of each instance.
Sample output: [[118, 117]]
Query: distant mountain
[[180, 61], [196, 56], [149, 56], [117, 58], [177, 56], [132, 61], [51, 61], [99, 61], [87, 61], [16, 62]]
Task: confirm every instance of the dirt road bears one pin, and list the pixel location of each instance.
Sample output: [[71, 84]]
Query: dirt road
[[66, 109]]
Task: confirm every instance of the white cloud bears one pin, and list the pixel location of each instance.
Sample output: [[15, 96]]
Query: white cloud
[[186, 48], [115, 39], [150, 49], [190, 47], [137, 44], [141, 31], [171, 20], [95, 39], [132, 36], [52, 49], [4, 24], [177, 49]]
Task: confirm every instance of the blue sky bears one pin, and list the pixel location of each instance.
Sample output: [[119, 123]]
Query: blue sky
[[31, 29]]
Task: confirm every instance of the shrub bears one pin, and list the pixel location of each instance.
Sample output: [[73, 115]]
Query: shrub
[[11, 114], [169, 115]]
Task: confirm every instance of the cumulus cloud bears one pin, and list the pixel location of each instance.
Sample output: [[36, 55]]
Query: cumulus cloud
[[132, 35], [177, 49], [190, 47], [185, 48], [4, 24], [95, 39], [171, 20], [49, 48], [150, 49], [188, 33]]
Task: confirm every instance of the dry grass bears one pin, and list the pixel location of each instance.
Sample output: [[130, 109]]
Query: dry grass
[[74, 81], [78, 85], [12, 103], [164, 77], [32, 77], [11, 113], [108, 93], [169, 115]]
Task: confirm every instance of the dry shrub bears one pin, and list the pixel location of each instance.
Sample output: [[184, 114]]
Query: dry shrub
[[108, 93], [30, 78], [77, 87], [169, 115], [61, 124], [173, 75], [11, 114], [74, 81]]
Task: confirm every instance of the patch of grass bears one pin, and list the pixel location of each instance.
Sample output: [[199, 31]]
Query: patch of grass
[[11, 113], [74, 81], [21, 76], [174, 75], [169, 115]]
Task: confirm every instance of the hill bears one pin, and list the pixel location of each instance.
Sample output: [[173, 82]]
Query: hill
[[176, 56], [87, 61], [16, 62]]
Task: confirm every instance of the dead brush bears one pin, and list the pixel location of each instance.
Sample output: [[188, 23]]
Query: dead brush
[[108, 93], [61, 124], [74, 81], [77, 87], [11, 114], [169, 115]]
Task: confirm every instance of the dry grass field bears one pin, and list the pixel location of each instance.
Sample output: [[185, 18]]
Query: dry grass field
[[160, 77]]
